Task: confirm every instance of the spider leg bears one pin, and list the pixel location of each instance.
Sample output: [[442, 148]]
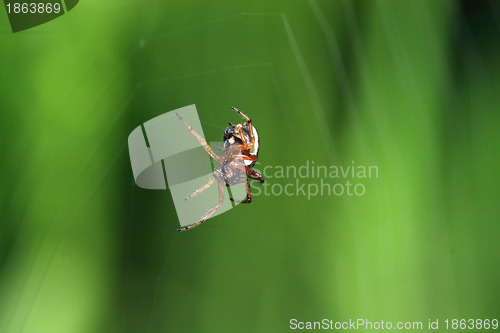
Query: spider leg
[[255, 175], [210, 212], [250, 127], [249, 195], [202, 141], [204, 187], [242, 114]]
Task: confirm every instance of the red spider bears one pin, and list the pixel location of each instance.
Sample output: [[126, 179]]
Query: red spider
[[241, 148]]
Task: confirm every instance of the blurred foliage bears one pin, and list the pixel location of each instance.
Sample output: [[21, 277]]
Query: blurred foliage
[[407, 86]]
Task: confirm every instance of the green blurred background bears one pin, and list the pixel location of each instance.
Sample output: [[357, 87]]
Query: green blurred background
[[409, 86]]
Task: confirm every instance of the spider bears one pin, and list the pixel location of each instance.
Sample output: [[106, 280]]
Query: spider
[[241, 147]]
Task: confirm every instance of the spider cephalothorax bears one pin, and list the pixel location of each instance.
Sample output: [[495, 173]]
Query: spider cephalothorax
[[240, 134], [241, 148]]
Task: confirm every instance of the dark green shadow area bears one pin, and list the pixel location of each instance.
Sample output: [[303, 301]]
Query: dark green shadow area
[[70, 4]]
